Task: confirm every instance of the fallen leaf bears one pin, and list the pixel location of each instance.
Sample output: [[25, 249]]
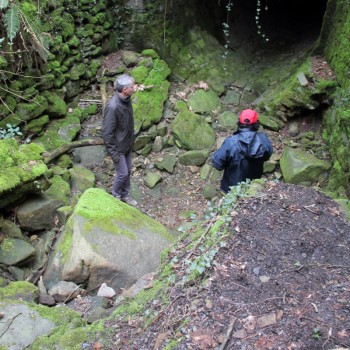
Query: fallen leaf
[[97, 346]]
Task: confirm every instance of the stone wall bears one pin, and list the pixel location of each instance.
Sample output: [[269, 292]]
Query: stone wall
[[334, 44], [79, 34]]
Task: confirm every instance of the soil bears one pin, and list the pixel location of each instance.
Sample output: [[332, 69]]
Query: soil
[[281, 282]]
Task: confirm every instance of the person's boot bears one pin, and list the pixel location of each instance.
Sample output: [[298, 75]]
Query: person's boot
[[128, 200]]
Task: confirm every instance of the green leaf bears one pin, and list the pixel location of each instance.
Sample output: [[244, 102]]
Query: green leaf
[[3, 4], [12, 23]]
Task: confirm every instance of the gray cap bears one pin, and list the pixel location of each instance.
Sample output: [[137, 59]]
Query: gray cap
[[123, 81]]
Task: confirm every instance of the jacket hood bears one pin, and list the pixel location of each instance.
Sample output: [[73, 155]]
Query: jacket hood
[[250, 144]]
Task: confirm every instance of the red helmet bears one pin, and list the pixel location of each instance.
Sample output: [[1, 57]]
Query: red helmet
[[248, 116]]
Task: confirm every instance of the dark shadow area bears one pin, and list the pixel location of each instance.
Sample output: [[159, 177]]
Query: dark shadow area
[[282, 21]]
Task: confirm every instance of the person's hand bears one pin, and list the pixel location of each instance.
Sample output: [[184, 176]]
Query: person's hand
[[116, 158]]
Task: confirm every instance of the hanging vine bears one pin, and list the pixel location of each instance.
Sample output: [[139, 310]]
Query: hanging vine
[[226, 28], [259, 29]]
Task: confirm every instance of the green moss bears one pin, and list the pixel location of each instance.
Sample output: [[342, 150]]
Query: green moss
[[65, 242], [60, 132], [59, 189], [19, 289], [3, 62], [101, 209], [140, 73], [150, 53], [28, 111], [20, 163], [148, 104], [57, 107]]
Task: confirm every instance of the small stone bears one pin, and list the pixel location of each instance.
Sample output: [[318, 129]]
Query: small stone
[[256, 270], [267, 320], [264, 279], [106, 291]]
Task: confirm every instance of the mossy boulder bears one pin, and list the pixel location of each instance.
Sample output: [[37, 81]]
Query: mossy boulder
[[57, 107], [192, 131], [59, 132], [106, 239], [148, 104], [29, 111], [20, 290], [35, 126], [130, 58], [81, 178], [300, 167], [20, 164], [41, 327], [197, 157], [204, 101], [150, 53], [228, 120]]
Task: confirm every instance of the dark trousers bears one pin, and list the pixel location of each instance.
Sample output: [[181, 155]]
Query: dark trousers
[[121, 184]]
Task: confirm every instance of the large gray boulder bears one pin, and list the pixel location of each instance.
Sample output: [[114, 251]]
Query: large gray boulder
[[300, 167], [26, 326], [105, 240]]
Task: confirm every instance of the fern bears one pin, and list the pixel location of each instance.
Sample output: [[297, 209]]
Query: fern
[[3, 4], [12, 22]]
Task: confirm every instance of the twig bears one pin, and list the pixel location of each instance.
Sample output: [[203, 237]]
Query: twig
[[311, 211], [94, 101], [228, 334], [71, 293], [8, 326]]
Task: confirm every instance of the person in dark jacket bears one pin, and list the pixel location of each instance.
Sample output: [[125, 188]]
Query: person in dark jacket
[[118, 135], [242, 155]]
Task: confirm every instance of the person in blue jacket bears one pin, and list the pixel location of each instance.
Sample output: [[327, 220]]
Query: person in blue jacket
[[242, 155]]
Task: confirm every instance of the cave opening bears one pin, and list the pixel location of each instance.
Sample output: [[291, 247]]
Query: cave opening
[[283, 22]]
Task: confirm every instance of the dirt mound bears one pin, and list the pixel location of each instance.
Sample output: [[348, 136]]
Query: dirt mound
[[280, 281]]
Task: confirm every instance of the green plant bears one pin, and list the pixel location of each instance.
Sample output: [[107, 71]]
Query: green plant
[[316, 334], [220, 217], [18, 22], [10, 132]]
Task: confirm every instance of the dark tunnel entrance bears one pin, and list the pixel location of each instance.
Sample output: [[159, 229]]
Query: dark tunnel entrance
[[283, 22]]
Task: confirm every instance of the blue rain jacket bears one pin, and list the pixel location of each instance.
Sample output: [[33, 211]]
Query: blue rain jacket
[[242, 157]]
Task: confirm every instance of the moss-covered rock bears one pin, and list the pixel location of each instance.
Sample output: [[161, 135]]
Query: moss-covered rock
[[57, 107], [299, 167], [197, 157], [59, 132], [148, 104], [103, 236], [15, 251], [291, 97], [192, 131], [20, 290], [204, 101], [35, 126], [19, 164], [28, 111], [42, 327]]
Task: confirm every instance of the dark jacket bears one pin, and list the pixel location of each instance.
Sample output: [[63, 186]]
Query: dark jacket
[[118, 126], [242, 157]]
